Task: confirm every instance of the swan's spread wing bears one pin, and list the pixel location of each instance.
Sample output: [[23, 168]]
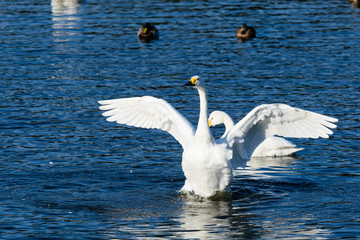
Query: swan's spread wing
[[278, 119], [149, 112]]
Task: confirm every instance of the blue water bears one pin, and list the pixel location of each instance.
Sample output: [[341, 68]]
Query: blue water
[[66, 173]]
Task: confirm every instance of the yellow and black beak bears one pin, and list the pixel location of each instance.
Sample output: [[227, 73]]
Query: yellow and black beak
[[192, 82], [210, 122], [145, 30]]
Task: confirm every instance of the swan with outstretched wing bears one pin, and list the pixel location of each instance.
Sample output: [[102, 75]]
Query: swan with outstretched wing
[[271, 147], [208, 164]]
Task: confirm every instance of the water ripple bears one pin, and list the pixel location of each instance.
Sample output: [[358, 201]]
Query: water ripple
[[67, 173]]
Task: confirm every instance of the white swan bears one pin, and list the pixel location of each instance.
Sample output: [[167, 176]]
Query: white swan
[[270, 147], [208, 165]]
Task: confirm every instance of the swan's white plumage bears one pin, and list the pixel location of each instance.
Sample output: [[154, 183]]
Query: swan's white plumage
[[270, 147], [208, 165], [275, 147], [149, 112], [285, 121], [276, 119]]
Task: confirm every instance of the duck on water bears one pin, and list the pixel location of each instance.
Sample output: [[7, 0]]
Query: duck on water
[[148, 32]]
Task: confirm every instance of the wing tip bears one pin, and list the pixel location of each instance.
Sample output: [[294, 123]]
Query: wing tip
[[103, 107], [332, 119], [101, 102]]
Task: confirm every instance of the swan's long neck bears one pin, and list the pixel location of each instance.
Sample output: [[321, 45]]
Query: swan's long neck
[[228, 122], [203, 131]]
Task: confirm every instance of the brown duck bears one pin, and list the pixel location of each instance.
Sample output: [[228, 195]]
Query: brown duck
[[147, 33], [245, 32]]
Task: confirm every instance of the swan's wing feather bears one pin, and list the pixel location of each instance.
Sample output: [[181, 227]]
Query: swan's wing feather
[[286, 121], [282, 120], [148, 112]]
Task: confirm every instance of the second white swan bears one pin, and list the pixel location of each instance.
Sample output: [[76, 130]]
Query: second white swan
[[270, 147], [208, 164]]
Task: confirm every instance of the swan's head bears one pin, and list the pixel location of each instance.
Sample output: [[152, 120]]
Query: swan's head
[[195, 82], [216, 118]]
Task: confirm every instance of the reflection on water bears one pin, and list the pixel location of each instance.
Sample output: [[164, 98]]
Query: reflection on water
[[205, 220], [294, 227], [266, 167], [193, 220], [65, 31], [264, 162], [257, 214], [64, 18], [64, 7], [273, 181]]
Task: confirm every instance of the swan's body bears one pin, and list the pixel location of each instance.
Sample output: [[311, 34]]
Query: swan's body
[[208, 164], [270, 147], [275, 147]]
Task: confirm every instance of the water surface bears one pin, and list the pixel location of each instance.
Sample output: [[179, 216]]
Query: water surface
[[67, 173]]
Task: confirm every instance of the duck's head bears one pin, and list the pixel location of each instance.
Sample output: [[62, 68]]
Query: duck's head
[[147, 27], [245, 32], [196, 82], [148, 32]]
